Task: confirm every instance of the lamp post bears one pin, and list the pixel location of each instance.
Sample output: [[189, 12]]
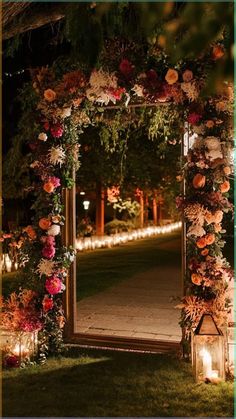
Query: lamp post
[[86, 204]]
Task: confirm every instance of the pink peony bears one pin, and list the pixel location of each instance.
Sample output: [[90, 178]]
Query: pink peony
[[126, 68], [48, 252], [55, 181], [53, 285], [57, 131], [48, 240], [194, 118]]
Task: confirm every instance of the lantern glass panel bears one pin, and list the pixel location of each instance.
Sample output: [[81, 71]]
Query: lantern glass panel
[[21, 345], [208, 357]]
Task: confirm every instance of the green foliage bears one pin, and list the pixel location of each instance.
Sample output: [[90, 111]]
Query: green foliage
[[117, 226]]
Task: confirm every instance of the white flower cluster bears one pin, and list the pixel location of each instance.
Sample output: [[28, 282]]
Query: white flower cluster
[[214, 150], [45, 267], [56, 155], [191, 90], [101, 86]]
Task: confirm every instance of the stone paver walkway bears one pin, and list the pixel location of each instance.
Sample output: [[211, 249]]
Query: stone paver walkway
[[141, 307]]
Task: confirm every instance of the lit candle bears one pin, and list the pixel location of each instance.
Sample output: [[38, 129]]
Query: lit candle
[[207, 363]]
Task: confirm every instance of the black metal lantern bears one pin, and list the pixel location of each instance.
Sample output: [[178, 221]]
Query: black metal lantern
[[208, 351]]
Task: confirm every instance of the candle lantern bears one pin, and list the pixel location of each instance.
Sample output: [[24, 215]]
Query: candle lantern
[[208, 351], [18, 347]]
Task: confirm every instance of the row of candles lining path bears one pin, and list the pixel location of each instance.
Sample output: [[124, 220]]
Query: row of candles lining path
[[95, 242]]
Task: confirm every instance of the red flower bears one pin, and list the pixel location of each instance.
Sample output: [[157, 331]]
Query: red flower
[[194, 118], [57, 131], [46, 126], [47, 303], [117, 93], [126, 68]]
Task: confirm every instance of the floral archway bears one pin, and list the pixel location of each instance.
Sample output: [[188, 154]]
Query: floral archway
[[65, 103]]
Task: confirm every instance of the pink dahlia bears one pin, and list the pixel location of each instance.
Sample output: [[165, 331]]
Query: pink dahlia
[[48, 252], [53, 285], [55, 181]]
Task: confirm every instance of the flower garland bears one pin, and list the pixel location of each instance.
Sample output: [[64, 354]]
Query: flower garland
[[207, 173], [66, 106]]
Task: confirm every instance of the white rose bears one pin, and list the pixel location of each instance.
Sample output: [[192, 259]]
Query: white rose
[[42, 136], [54, 230]]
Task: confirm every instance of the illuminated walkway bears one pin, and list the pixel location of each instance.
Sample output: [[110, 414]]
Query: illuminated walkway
[[140, 307]]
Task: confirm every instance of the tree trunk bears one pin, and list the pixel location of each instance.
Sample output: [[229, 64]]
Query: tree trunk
[[100, 211]]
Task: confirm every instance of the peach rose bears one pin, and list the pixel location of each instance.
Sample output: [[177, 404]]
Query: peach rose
[[44, 223], [204, 252], [49, 95], [218, 216], [225, 186], [171, 76], [227, 170], [210, 238], [201, 243], [56, 219], [217, 228], [217, 52], [199, 181], [210, 123], [31, 232], [209, 217], [48, 187], [187, 76], [196, 279]]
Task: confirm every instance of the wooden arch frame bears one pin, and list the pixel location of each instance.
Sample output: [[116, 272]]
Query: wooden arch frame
[[106, 341]]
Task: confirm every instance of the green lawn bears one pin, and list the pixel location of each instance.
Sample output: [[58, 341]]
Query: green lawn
[[103, 268], [96, 383]]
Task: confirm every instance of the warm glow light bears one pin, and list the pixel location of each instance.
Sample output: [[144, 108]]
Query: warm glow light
[[207, 363], [86, 205], [8, 263], [91, 243]]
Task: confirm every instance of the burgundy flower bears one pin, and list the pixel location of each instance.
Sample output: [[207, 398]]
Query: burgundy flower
[[12, 361], [152, 76], [57, 130], [194, 118], [126, 68], [46, 126]]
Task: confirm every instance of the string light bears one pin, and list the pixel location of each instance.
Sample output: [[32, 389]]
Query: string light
[[16, 73]]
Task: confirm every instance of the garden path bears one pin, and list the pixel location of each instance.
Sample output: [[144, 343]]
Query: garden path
[[140, 307]]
